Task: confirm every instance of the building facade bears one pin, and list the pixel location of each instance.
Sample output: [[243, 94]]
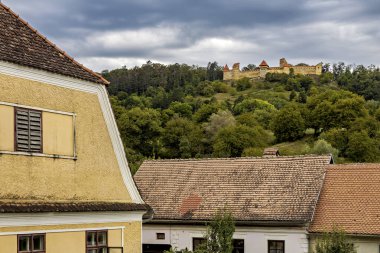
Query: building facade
[[284, 68], [350, 200], [272, 200], [65, 181]]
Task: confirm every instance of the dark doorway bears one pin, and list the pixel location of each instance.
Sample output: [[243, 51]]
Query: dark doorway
[[155, 248]]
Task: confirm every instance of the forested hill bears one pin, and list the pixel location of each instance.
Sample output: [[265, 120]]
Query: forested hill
[[182, 111]]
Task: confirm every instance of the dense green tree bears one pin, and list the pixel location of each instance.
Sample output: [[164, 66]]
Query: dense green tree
[[204, 112], [332, 109], [292, 95], [288, 124], [362, 148], [243, 84], [251, 104], [322, 147], [302, 98], [231, 141], [182, 109], [140, 130], [338, 137], [181, 138], [217, 121]]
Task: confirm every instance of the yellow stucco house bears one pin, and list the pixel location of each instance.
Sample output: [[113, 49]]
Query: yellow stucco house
[[65, 185]]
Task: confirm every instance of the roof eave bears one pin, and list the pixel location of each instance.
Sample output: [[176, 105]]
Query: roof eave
[[264, 223]]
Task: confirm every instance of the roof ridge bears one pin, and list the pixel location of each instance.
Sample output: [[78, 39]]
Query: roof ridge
[[103, 80], [236, 158]]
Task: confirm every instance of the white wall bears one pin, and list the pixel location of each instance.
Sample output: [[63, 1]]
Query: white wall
[[363, 244], [255, 238]]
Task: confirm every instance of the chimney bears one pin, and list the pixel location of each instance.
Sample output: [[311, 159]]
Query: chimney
[[271, 152]]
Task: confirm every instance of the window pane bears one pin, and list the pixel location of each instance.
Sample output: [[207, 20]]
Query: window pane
[[102, 238], [24, 243], [91, 239], [38, 242], [92, 251], [102, 250]]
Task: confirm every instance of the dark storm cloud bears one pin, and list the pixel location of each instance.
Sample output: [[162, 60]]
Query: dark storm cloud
[[111, 33]]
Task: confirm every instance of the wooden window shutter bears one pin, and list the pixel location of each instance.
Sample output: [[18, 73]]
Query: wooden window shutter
[[28, 130]]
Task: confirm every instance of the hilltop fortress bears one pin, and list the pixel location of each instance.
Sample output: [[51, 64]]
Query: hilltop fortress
[[264, 68]]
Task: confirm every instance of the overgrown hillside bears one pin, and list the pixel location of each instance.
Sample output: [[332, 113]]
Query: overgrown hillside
[[181, 111]]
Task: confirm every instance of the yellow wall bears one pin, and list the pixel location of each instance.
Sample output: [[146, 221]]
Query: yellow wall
[[58, 134], [8, 244], [74, 242], [95, 175], [6, 128], [114, 237]]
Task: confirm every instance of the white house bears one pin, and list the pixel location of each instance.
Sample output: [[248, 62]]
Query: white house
[[272, 200]]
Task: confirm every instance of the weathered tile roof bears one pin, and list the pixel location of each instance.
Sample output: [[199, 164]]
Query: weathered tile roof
[[350, 199], [41, 207], [22, 44], [271, 189]]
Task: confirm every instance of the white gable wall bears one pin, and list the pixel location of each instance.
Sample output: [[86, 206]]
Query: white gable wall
[[255, 238]]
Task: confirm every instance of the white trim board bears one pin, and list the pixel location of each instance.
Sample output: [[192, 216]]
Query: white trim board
[[89, 87], [60, 230], [36, 108], [47, 219]]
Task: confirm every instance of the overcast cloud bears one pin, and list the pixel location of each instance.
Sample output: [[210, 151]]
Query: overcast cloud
[[111, 33]]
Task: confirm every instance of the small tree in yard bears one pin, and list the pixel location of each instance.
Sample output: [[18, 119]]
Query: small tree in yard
[[334, 242], [218, 238]]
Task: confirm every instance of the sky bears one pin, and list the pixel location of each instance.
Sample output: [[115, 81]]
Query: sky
[[109, 34]]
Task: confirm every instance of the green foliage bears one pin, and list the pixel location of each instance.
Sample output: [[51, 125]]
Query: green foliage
[[181, 138], [204, 112], [182, 111], [218, 121], [338, 138], [250, 104], [275, 77], [288, 124], [362, 148], [174, 250], [243, 84], [334, 242], [140, 129], [322, 147], [332, 109], [292, 95], [233, 140], [219, 234]]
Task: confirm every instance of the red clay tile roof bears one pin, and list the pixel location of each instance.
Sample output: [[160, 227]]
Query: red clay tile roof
[[226, 68], [264, 63], [350, 199], [273, 189], [22, 44], [41, 207]]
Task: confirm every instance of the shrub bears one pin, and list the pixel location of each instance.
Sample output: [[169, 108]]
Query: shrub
[[334, 242]]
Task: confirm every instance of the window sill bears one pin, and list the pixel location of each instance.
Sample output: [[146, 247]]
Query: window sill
[[38, 155]]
